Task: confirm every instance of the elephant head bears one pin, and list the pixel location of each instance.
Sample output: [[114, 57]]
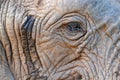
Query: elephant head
[[60, 39]]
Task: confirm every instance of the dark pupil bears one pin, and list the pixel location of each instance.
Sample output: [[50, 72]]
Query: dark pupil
[[74, 27]]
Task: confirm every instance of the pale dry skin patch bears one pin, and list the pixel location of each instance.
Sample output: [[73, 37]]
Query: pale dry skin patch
[[47, 51]]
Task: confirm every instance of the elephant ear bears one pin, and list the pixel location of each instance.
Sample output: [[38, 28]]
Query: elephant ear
[[27, 42], [5, 72], [1, 1], [26, 32]]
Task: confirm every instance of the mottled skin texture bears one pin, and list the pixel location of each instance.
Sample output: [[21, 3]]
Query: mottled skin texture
[[35, 43]]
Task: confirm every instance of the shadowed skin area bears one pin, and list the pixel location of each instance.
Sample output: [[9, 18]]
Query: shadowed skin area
[[59, 40]]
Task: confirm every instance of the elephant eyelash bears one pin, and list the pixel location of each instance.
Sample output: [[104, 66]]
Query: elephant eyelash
[[73, 27]]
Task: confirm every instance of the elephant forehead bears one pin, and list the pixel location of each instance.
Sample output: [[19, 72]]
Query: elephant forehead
[[98, 9], [63, 6], [71, 5]]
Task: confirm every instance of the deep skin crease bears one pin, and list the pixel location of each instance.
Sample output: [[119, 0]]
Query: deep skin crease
[[36, 43]]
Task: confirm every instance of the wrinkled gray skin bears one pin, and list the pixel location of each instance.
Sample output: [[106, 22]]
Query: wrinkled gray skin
[[36, 45]]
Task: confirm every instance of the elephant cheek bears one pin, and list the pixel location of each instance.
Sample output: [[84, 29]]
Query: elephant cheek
[[53, 56]]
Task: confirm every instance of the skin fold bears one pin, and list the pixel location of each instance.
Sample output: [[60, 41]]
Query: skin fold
[[59, 40]]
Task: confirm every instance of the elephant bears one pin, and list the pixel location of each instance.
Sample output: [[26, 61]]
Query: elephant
[[59, 40]]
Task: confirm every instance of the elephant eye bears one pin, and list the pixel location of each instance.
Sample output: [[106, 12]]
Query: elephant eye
[[74, 27]]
